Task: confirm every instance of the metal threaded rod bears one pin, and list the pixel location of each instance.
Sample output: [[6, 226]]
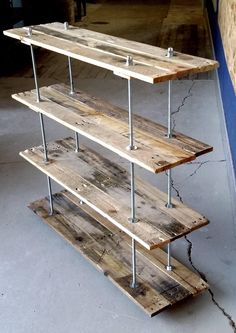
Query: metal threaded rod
[[169, 133], [134, 283], [169, 188], [169, 266], [131, 130], [50, 195], [170, 53], [43, 137], [66, 27], [35, 74], [76, 142]]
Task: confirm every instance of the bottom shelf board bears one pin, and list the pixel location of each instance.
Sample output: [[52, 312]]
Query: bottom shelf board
[[110, 252]]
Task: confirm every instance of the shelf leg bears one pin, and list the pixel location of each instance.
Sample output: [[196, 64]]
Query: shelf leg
[[50, 195], [131, 145], [41, 121], [35, 73], [169, 131], [134, 283], [66, 27], [76, 142], [169, 267], [46, 160], [170, 53], [43, 137], [72, 89], [132, 219]]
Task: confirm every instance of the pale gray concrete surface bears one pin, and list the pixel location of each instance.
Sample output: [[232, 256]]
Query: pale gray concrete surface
[[46, 286]]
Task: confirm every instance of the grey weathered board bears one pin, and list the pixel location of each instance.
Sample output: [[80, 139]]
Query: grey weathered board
[[111, 254], [108, 125], [150, 63], [105, 187]]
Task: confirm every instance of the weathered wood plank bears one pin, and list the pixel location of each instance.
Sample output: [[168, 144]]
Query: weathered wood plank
[[158, 257], [108, 125], [105, 187], [150, 63], [110, 254]]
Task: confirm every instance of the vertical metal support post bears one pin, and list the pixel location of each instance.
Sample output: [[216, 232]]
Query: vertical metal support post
[[134, 283], [169, 266], [131, 146], [169, 131], [66, 26], [72, 89], [50, 195], [76, 142], [41, 120], [43, 137], [170, 53], [34, 67], [131, 130]]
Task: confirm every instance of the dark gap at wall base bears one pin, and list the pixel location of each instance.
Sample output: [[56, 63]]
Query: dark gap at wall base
[[226, 86]]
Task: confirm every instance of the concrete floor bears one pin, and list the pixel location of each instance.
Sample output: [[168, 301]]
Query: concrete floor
[[46, 286]]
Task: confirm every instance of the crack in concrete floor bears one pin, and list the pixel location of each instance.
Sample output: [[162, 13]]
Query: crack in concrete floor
[[186, 97], [200, 164], [232, 323]]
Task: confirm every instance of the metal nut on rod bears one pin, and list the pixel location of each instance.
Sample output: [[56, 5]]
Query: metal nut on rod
[[131, 147], [170, 52], [30, 32], [129, 61], [66, 25], [169, 268]]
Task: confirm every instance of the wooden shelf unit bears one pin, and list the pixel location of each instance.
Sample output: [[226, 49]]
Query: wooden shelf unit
[[96, 212]]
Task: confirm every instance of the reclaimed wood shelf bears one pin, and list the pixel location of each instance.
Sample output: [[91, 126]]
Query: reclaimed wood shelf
[[150, 63], [108, 250], [105, 187], [107, 125], [112, 218]]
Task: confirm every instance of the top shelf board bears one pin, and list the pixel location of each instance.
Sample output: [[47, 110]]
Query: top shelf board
[[150, 63]]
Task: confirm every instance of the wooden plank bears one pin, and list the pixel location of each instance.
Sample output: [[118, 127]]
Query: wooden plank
[[110, 254], [108, 125], [158, 257], [105, 187], [150, 63]]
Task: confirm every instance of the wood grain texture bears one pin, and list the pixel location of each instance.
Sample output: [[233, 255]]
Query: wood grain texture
[[150, 63], [108, 125], [105, 187], [157, 256], [111, 255]]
